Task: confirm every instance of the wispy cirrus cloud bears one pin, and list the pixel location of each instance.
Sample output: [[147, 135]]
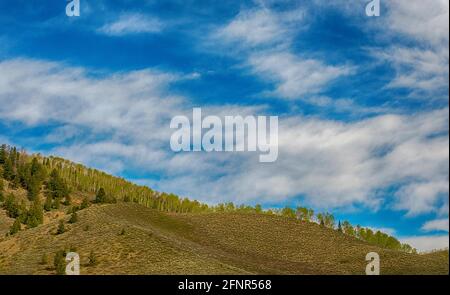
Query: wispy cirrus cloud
[[260, 27], [262, 39], [418, 69], [422, 20], [295, 77], [132, 24], [422, 67]]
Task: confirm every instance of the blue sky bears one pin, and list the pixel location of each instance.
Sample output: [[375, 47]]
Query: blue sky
[[362, 101]]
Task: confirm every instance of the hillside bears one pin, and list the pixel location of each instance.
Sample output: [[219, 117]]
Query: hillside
[[129, 238], [51, 206]]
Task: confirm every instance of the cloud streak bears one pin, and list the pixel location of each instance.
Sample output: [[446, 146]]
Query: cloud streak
[[263, 38], [132, 24]]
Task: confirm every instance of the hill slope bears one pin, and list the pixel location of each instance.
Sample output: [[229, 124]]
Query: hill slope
[[128, 238]]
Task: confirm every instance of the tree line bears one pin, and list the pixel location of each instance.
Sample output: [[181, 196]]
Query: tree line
[[58, 177]]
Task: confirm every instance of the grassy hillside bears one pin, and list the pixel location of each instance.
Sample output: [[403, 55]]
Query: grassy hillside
[[129, 238], [49, 205]]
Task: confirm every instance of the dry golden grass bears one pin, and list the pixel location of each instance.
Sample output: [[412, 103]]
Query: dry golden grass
[[159, 243]]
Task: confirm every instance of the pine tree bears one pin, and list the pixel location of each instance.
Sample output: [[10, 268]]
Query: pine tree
[[101, 196], [339, 227], [13, 155], [15, 228], [23, 212], [8, 171], [3, 154], [56, 186], [33, 188], [11, 207], [36, 213]]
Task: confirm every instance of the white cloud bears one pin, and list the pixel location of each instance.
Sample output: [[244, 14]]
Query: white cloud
[[424, 65], [414, 35], [259, 27], [436, 225], [295, 77], [262, 39], [421, 197], [427, 243], [132, 24], [124, 119], [423, 20], [422, 69]]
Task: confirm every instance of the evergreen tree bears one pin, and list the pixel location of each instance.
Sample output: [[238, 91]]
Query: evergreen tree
[[56, 186], [35, 214], [37, 170], [8, 171], [33, 188], [23, 212], [339, 227], [13, 156], [15, 182], [101, 196], [3, 154], [15, 228], [11, 207]]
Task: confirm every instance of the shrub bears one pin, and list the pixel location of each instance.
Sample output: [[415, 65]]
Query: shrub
[[15, 228], [61, 228], [92, 259], [73, 218], [59, 262]]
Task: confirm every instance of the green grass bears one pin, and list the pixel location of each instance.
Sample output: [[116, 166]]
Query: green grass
[[131, 239]]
